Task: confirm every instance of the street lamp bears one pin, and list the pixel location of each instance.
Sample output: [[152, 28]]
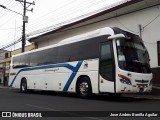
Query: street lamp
[[4, 7]]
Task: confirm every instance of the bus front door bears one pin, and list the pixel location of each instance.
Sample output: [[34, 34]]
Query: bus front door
[[106, 68]]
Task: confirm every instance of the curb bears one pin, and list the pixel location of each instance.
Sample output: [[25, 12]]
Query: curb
[[155, 91], [156, 87], [5, 87]]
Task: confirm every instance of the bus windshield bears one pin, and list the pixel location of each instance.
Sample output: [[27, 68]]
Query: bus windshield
[[133, 55]]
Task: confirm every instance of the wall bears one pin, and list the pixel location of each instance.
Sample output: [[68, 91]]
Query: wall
[[27, 48]]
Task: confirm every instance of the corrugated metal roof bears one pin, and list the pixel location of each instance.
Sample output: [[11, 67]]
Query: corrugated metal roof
[[80, 19]]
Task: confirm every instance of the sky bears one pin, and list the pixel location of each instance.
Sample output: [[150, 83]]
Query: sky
[[45, 13]]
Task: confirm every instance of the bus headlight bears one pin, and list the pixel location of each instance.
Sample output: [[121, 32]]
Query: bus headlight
[[124, 79]]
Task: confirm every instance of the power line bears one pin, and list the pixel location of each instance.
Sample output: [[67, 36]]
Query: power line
[[12, 5], [9, 19], [4, 1], [67, 14], [79, 8], [15, 32], [6, 21], [11, 44], [151, 21], [10, 28], [62, 23], [59, 14], [53, 11], [70, 12]]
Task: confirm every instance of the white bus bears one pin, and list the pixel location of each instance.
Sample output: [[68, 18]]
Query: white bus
[[107, 60]]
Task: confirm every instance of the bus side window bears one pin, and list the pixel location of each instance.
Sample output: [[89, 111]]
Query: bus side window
[[49, 56], [36, 59], [16, 62], [106, 61]]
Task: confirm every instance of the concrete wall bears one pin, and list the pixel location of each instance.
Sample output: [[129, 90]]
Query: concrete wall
[[27, 48]]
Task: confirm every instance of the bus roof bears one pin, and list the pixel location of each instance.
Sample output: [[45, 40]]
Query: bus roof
[[81, 37]]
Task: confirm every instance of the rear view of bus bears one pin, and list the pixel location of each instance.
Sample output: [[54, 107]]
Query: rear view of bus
[[133, 72]]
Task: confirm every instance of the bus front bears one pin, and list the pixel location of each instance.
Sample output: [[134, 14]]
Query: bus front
[[133, 72]]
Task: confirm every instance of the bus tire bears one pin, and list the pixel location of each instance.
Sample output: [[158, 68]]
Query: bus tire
[[23, 86], [84, 88]]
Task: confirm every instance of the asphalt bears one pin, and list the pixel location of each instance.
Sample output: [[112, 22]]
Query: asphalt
[[66, 104]]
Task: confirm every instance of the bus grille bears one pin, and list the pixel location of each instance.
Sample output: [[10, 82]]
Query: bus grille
[[142, 81]]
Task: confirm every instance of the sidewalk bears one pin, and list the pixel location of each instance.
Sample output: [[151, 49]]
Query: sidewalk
[[155, 90], [4, 87]]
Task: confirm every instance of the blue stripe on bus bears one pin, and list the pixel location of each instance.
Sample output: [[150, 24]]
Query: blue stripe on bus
[[72, 77], [69, 81]]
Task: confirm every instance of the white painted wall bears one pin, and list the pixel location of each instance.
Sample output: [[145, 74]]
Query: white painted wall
[[129, 22]]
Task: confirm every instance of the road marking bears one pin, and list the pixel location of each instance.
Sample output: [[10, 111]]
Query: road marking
[[42, 107], [51, 109]]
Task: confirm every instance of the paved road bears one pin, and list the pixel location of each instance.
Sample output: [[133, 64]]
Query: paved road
[[13, 100]]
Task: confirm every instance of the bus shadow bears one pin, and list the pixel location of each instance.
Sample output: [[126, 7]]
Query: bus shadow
[[123, 98]]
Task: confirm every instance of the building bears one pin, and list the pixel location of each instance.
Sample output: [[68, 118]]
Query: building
[[7, 60], [3, 55], [138, 16]]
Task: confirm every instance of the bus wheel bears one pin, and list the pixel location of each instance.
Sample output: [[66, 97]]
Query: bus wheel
[[84, 88], [23, 87]]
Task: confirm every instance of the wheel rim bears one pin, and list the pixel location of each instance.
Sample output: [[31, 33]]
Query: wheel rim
[[83, 88]]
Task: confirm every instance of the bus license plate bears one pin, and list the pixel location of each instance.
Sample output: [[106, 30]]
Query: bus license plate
[[141, 90]]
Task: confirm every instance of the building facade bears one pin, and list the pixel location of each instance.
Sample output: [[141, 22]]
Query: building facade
[[3, 55]]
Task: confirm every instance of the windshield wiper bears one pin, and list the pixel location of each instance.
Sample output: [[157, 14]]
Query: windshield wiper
[[137, 61]]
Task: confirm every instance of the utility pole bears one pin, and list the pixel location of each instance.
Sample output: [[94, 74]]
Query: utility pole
[[24, 3], [24, 27], [140, 30]]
